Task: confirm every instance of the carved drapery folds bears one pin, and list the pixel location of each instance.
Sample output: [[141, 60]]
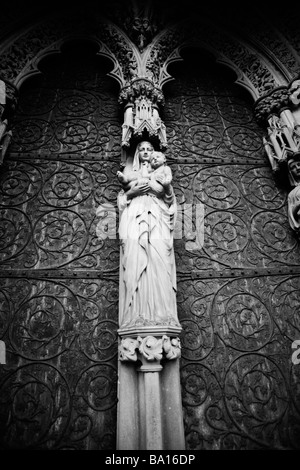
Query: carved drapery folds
[[280, 111]]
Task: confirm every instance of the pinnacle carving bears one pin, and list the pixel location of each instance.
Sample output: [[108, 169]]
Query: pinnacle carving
[[276, 109], [141, 113], [280, 109]]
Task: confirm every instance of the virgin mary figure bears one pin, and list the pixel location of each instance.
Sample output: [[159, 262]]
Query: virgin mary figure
[[147, 294]]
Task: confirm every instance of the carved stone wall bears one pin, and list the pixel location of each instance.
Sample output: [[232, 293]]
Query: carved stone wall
[[238, 295], [59, 280]]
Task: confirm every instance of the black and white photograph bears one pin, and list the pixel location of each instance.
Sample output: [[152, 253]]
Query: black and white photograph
[[149, 230]]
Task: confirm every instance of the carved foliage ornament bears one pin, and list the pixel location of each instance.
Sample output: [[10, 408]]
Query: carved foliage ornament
[[254, 72], [277, 100], [150, 347], [141, 87], [19, 56], [271, 103]]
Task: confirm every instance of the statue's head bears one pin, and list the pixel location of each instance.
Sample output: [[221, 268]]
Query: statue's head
[[144, 150], [157, 159], [294, 169]]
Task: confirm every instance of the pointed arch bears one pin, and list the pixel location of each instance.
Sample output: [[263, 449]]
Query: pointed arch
[[22, 53], [254, 69]]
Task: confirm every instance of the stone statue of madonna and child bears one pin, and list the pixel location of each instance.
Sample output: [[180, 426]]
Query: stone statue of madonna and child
[[147, 207]]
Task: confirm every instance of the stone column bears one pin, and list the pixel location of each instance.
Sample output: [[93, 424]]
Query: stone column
[[150, 413]]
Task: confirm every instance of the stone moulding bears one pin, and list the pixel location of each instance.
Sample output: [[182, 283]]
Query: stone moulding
[[254, 70]]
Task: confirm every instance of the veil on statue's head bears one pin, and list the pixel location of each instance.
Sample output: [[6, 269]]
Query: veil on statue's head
[[136, 160], [293, 181]]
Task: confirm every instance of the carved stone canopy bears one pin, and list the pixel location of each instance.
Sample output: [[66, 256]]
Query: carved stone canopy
[[141, 113], [8, 98]]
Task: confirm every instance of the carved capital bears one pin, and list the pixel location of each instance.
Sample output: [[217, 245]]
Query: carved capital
[[127, 349], [272, 103], [171, 347], [149, 348], [141, 87], [279, 99]]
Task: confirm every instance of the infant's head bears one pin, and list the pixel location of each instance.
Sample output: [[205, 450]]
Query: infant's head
[[157, 159]]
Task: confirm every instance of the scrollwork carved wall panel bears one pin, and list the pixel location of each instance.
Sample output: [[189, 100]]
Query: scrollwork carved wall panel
[[59, 383], [69, 113], [49, 215], [59, 272], [236, 363], [238, 294], [245, 224]]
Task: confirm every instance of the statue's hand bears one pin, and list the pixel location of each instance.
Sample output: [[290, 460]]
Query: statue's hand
[[138, 190], [121, 177], [142, 188]]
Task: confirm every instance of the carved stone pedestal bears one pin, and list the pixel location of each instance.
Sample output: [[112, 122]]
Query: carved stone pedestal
[[149, 407]]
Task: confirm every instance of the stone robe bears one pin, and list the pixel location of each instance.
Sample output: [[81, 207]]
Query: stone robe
[[147, 263]]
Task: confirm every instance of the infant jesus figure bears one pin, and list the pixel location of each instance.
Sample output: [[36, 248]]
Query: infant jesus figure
[[155, 172]]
